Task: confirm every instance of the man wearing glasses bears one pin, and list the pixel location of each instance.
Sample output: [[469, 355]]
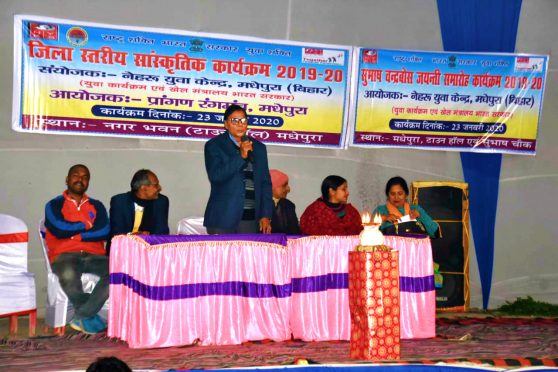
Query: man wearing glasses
[[143, 210], [236, 164]]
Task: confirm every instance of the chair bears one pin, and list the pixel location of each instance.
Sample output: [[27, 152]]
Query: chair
[[59, 309], [17, 286], [191, 226]]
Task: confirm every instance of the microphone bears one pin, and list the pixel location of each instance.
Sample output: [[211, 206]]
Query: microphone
[[245, 138]]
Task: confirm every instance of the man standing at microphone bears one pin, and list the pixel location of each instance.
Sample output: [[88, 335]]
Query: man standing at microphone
[[236, 164]]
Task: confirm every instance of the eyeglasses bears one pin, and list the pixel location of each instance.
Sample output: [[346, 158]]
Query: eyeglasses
[[238, 121]]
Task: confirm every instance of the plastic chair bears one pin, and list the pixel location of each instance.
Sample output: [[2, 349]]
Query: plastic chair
[[16, 284], [59, 309], [191, 226]]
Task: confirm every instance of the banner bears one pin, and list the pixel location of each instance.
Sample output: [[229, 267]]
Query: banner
[[94, 79], [448, 101]]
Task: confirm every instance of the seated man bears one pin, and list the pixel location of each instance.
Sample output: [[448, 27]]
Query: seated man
[[284, 219], [76, 230], [142, 210]]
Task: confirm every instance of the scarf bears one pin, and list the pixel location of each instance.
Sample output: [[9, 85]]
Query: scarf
[[392, 209]]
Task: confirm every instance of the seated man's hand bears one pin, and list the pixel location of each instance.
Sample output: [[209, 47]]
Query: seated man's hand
[[265, 225]]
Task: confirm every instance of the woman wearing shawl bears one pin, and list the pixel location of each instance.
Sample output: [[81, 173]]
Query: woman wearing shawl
[[397, 206], [331, 214]]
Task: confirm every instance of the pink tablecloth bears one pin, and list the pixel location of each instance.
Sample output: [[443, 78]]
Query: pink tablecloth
[[172, 292], [320, 305]]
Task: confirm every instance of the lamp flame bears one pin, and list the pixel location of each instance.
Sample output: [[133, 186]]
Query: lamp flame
[[366, 218], [377, 219]]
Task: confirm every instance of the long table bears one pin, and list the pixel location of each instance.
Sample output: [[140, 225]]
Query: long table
[[227, 289]]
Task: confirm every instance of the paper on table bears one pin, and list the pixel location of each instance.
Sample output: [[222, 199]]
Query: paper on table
[[406, 218]]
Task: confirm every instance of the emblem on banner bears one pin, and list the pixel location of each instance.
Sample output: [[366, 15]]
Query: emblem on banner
[[196, 45], [43, 31], [77, 36], [452, 61]]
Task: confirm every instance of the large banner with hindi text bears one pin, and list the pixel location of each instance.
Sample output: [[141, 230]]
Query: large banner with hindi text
[[448, 101], [82, 78]]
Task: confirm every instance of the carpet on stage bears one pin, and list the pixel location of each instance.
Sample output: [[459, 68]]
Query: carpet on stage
[[499, 342]]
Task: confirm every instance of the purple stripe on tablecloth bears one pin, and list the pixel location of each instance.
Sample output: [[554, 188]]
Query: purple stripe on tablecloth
[[416, 284], [341, 280], [317, 283], [280, 239], [183, 291], [320, 283]]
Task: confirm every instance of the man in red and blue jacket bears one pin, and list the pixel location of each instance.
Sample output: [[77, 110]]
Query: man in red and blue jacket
[[77, 228]]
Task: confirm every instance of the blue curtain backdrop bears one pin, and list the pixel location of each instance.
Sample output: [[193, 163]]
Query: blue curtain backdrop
[[481, 26]]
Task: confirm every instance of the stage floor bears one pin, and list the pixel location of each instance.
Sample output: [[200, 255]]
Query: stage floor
[[500, 342]]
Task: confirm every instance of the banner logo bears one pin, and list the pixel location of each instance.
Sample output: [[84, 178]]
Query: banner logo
[[529, 64], [370, 56], [43, 31], [323, 56]]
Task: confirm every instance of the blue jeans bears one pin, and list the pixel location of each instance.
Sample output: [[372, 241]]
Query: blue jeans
[[69, 267]]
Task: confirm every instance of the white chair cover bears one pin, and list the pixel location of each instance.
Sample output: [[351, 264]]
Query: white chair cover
[[18, 293], [17, 286], [14, 238], [191, 226]]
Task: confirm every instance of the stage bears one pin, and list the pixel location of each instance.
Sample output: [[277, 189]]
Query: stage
[[469, 340]]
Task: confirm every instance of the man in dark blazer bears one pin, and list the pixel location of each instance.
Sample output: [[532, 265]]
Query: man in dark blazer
[[143, 210], [284, 218], [236, 164]]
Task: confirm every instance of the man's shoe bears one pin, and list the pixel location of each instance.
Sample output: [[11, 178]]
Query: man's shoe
[[99, 323], [77, 325], [89, 326], [93, 325]]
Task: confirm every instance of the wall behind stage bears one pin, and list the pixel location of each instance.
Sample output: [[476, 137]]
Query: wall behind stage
[[33, 167]]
